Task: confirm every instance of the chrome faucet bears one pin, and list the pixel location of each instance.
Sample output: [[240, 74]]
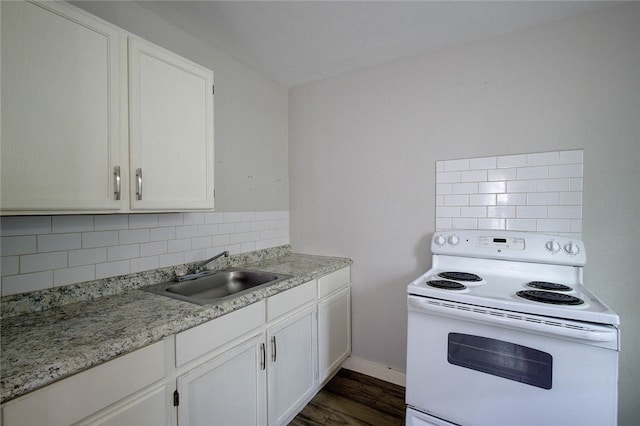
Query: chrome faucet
[[197, 268]]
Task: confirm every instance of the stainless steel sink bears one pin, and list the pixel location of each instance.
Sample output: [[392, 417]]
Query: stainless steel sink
[[215, 286]]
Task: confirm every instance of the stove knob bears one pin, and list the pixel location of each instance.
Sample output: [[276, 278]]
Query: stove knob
[[553, 246], [453, 240], [572, 248], [440, 240]]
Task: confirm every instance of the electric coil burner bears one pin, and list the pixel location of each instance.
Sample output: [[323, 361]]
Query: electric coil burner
[[550, 297], [503, 319], [460, 276], [545, 285], [446, 285]]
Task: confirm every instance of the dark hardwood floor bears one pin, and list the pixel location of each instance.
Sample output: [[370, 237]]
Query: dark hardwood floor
[[352, 398]]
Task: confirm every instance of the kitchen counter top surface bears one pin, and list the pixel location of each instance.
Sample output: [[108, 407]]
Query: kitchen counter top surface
[[39, 348]]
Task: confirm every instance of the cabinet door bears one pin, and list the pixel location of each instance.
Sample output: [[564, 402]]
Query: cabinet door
[[60, 109], [171, 122], [292, 365], [148, 409], [228, 390], [334, 332]]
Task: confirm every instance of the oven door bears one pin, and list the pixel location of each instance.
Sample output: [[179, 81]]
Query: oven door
[[475, 366]]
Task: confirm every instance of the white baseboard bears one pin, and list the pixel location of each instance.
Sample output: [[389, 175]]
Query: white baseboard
[[379, 371]]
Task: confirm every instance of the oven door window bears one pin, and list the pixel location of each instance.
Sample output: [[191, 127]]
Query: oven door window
[[502, 359]]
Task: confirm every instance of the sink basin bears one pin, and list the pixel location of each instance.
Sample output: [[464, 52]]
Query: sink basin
[[216, 286]]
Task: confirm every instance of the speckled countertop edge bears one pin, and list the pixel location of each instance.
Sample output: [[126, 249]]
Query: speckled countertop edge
[[44, 346]]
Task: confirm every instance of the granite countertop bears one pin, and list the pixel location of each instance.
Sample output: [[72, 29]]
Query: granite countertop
[[43, 346]]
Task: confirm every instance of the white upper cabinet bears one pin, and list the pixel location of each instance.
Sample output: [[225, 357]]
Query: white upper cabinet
[[171, 123], [60, 109], [90, 124]]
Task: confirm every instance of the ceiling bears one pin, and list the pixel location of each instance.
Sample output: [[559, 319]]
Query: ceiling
[[294, 42]]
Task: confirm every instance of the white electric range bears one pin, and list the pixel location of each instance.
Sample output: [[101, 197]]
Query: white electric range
[[502, 331]]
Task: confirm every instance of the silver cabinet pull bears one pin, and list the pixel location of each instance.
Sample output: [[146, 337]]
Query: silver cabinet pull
[[273, 348], [139, 184], [116, 183], [263, 362]]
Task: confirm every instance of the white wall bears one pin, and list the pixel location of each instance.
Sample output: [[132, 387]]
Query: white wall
[[251, 134], [363, 148]]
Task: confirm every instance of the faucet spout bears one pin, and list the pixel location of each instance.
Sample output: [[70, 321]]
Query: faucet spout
[[197, 268]]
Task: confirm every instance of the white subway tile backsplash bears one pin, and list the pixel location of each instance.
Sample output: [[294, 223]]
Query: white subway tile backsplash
[[465, 223], [44, 251], [484, 163], [19, 245], [24, 283], [171, 219], [548, 185], [482, 199], [448, 177], [501, 211], [522, 225], [502, 174], [165, 233], [477, 212], [524, 173], [464, 188], [492, 187], [133, 236], [194, 218], [110, 222], [122, 252], [144, 264], [571, 157], [509, 161], [42, 261], [137, 221], [189, 231], [473, 176], [456, 200], [112, 269], [542, 198], [543, 158], [10, 265], [565, 212], [58, 242], [76, 274], [526, 192], [444, 188], [566, 170], [510, 199], [76, 223], [87, 256], [25, 225], [456, 165], [516, 186], [99, 239]]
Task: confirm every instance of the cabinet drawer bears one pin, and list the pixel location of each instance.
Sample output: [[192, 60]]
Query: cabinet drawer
[[333, 281], [85, 393], [197, 341], [289, 300]]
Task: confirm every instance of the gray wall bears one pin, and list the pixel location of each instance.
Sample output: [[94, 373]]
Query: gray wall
[[363, 148], [251, 135]]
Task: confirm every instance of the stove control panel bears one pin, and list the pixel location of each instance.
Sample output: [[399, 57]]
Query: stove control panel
[[510, 245]]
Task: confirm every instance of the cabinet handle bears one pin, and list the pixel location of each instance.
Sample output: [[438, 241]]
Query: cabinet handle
[[116, 183], [273, 348], [139, 184], [263, 362]]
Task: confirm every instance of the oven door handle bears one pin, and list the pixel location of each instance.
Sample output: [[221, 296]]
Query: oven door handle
[[559, 327]]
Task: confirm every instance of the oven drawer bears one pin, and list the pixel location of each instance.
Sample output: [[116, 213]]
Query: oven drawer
[[472, 372]]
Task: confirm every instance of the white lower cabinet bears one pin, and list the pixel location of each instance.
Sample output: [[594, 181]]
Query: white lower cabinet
[[227, 390], [334, 332], [291, 370], [125, 391]]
